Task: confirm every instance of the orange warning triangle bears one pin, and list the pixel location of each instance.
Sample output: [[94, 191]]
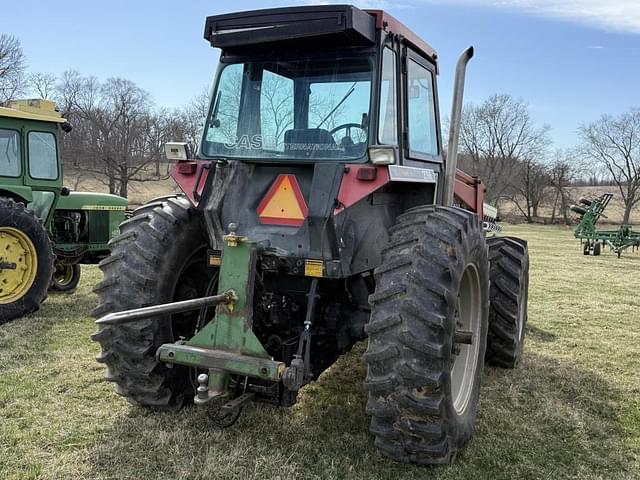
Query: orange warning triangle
[[283, 204]]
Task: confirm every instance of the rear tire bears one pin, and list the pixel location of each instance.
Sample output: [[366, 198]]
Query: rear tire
[[159, 257], [25, 242], [509, 295], [434, 275], [597, 249]]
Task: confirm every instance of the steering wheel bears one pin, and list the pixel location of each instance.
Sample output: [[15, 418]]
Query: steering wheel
[[347, 127]]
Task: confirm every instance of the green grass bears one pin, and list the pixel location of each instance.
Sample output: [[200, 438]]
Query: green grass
[[571, 410]]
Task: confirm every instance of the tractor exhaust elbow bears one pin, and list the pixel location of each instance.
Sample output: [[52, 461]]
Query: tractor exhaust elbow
[[454, 127]]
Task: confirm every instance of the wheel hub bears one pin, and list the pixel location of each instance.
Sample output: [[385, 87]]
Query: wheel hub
[[18, 264]]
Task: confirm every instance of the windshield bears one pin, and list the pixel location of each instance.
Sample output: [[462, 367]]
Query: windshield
[[291, 109]]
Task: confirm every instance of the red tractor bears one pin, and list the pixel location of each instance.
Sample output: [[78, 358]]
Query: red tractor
[[320, 212]]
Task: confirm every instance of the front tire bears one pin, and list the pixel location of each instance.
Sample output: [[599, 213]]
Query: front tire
[[65, 277], [27, 258], [159, 257], [423, 380]]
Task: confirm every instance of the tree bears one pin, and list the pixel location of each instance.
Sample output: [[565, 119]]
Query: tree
[[498, 138], [42, 84], [12, 68], [194, 116], [562, 173], [614, 142], [529, 187], [116, 132]]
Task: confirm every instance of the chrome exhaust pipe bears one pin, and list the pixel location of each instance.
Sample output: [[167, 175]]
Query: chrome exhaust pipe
[[454, 127]]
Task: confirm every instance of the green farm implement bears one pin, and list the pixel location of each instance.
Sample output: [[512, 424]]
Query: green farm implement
[[592, 239], [321, 211]]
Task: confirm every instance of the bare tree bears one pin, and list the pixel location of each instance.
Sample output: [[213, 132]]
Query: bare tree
[[528, 189], [12, 68], [562, 173], [194, 116], [116, 132], [497, 139], [614, 142], [42, 84]]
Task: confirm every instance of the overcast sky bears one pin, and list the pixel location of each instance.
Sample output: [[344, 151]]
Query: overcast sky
[[571, 60]]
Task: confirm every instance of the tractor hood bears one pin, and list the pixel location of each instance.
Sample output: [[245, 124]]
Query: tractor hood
[[92, 201]]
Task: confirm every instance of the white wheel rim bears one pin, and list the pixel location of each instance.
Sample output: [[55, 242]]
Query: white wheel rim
[[468, 318]]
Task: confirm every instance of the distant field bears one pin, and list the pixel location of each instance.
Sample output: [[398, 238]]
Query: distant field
[[570, 411]]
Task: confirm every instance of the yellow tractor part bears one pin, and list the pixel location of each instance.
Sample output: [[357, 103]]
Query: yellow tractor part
[[19, 256]]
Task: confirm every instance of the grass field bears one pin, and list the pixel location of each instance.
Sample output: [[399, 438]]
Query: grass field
[[571, 410]]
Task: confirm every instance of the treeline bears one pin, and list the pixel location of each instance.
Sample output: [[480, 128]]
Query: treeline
[[515, 158], [118, 133]]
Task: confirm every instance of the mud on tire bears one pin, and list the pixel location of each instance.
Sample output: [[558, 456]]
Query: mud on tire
[[159, 257], [410, 379], [509, 258]]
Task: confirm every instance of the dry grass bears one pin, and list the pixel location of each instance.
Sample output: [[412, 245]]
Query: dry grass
[[571, 410]]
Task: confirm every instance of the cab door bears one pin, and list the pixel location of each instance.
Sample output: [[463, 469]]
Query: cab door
[[43, 170]]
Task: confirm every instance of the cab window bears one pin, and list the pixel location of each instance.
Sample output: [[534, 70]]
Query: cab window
[[43, 156], [423, 138], [9, 153], [387, 122]]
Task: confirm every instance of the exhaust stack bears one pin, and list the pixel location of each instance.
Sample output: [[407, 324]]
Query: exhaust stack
[[454, 127]]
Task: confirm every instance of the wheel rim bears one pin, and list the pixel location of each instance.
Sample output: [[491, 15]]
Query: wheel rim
[[63, 274], [16, 248], [522, 308], [468, 319]]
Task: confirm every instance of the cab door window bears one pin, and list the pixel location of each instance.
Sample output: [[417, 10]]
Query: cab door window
[[9, 153], [43, 156], [421, 111]]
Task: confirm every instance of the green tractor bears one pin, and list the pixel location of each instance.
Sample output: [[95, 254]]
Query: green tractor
[[46, 231], [320, 212]]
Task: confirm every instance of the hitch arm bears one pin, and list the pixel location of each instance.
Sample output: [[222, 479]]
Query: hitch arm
[[228, 298]]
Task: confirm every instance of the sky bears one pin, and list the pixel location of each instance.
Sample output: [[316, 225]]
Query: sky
[[570, 60]]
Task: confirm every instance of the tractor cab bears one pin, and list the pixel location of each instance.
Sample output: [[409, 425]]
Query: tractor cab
[[29, 154], [322, 84]]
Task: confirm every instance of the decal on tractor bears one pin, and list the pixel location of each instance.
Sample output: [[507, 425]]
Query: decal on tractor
[[283, 204]]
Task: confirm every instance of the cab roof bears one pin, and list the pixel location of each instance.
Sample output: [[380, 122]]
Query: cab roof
[[315, 26], [33, 109]]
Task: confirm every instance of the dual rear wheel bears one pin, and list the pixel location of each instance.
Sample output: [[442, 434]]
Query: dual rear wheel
[[435, 316]]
